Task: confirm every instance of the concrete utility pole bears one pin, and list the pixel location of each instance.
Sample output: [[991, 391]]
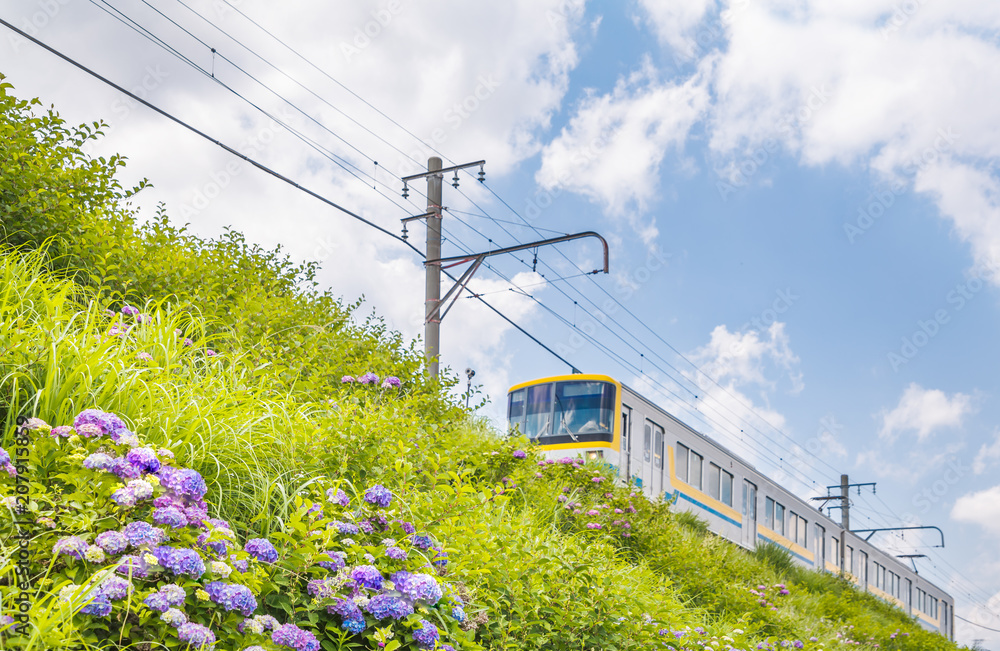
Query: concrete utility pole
[[845, 519], [432, 273]]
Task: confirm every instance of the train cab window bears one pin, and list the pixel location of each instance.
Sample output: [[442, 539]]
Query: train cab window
[[538, 411], [694, 469], [779, 519], [657, 446], [769, 513], [726, 489], [714, 479], [647, 442], [515, 409], [681, 462]]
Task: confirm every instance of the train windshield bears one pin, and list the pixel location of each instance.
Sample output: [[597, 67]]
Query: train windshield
[[564, 412]]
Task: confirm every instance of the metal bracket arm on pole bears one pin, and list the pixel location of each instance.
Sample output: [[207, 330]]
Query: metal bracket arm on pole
[[872, 532], [440, 172], [460, 284]]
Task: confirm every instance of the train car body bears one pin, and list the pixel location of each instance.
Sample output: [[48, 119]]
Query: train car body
[[601, 419]]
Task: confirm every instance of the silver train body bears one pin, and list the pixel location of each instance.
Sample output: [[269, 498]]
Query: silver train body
[[601, 419]]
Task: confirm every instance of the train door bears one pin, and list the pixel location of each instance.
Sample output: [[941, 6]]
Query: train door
[[820, 552], [647, 458], [656, 486], [625, 454], [749, 515]]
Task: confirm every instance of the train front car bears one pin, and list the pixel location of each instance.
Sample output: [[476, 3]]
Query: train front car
[[569, 415]]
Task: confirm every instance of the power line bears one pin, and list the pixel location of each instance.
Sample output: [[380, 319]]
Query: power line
[[995, 630]]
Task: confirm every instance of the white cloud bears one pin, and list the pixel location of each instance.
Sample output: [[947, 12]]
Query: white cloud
[[987, 456], [613, 147], [742, 358], [923, 411], [673, 22], [982, 508]]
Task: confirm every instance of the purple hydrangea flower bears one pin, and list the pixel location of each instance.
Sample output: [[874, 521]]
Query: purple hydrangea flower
[[121, 467], [262, 550], [396, 553], [166, 597], [196, 635], [174, 617], [124, 497], [74, 546], [338, 496], [239, 564], [184, 482], [520, 454], [427, 635], [170, 516], [379, 496], [62, 431], [407, 527], [294, 637], [196, 513], [336, 562], [390, 381], [347, 379], [141, 533], [417, 587], [163, 500], [366, 526], [368, 378], [128, 310], [144, 459], [133, 566], [368, 576], [422, 542], [99, 607], [383, 605], [349, 613], [346, 528], [113, 542], [115, 588], [232, 597], [180, 560]]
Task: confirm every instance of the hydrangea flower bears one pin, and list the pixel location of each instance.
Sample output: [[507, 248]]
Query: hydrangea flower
[[141, 488], [98, 461], [396, 553], [170, 516], [166, 597], [125, 470], [239, 564], [74, 546], [418, 587], [62, 431], [520, 454], [232, 597], [99, 607], [347, 379], [458, 613], [88, 430], [346, 527], [113, 542], [350, 613], [196, 635], [7, 465], [128, 310], [220, 569], [94, 554], [368, 576], [144, 459], [336, 562], [294, 637], [144, 356], [322, 589], [382, 606], [180, 560], [115, 588], [390, 381], [427, 635], [257, 625], [262, 550], [35, 424], [141, 533], [124, 498], [379, 496], [133, 566], [174, 617], [183, 482], [368, 378], [338, 496], [422, 542]]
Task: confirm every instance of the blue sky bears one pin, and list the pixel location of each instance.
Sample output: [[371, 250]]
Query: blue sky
[[801, 200]]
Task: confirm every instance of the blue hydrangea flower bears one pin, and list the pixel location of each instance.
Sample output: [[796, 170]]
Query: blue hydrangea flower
[[174, 617], [294, 637], [262, 550], [418, 587], [97, 461], [379, 496], [141, 533], [144, 459], [112, 542], [124, 497], [368, 576], [180, 560], [427, 635], [121, 467], [458, 613], [383, 605], [99, 607], [322, 589], [338, 496], [336, 562], [346, 608], [346, 527], [396, 553], [183, 482], [232, 597], [115, 588], [74, 546], [168, 596], [196, 635], [133, 566], [170, 516], [422, 542]]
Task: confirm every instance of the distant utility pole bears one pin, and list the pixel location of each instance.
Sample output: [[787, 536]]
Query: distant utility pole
[[433, 303]]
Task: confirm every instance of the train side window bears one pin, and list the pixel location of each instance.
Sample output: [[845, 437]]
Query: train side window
[[714, 480], [779, 519], [769, 513], [793, 526], [863, 568], [682, 462], [696, 467], [804, 532], [849, 559], [647, 435], [820, 552], [727, 488], [657, 446]]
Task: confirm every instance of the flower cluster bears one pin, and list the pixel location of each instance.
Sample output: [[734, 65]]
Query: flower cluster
[[767, 595], [369, 378]]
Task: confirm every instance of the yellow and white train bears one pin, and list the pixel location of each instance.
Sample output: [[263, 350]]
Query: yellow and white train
[[599, 418]]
